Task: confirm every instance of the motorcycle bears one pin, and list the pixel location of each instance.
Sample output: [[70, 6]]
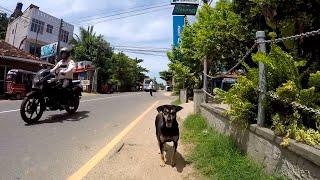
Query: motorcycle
[[46, 96]]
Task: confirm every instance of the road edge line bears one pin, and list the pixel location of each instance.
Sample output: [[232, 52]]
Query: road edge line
[[89, 165]]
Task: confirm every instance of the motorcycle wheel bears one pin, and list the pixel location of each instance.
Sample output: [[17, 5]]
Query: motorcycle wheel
[[31, 109], [73, 107]]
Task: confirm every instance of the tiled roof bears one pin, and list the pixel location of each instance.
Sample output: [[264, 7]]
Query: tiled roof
[[7, 49]]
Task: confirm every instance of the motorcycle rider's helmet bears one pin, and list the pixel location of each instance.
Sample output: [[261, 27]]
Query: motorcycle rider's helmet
[[65, 50]]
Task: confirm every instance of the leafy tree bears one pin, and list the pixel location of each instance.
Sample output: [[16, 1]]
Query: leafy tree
[[113, 68], [125, 72], [286, 18], [166, 76], [217, 35], [4, 20]]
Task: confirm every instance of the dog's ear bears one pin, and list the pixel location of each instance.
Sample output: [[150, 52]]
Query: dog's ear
[[178, 108], [161, 108]]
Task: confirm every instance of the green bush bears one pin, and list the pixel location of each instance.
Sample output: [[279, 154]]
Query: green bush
[[283, 78]]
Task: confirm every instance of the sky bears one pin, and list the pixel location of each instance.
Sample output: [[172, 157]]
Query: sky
[[153, 29]]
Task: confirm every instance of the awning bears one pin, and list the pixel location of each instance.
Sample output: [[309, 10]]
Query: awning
[[26, 60]]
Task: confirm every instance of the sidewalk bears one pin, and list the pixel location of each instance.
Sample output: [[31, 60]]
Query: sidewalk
[[138, 157]]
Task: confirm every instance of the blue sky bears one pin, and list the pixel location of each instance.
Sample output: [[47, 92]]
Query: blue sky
[[148, 30]]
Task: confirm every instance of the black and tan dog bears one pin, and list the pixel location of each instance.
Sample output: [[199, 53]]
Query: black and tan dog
[[167, 129]]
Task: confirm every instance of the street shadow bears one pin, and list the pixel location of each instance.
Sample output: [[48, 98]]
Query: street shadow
[[180, 161], [60, 118]]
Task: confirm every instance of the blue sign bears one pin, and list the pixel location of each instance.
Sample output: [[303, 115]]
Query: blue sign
[[178, 24], [49, 50]]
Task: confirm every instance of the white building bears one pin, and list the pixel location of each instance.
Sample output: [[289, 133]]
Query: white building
[[33, 28]]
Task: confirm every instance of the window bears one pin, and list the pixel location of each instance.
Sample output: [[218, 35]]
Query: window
[[35, 50], [49, 28], [64, 36], [37, 26]]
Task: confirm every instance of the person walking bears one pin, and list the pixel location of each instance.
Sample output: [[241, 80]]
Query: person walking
[[151, 87]]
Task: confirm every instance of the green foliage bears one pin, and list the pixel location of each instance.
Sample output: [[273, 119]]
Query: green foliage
[[308, 97], [283, 78], [281, 67], [288, 91], [4, 20], [125, 72], [217, 34], [241, 98], [216, 155], [166, 76], [314, 80]]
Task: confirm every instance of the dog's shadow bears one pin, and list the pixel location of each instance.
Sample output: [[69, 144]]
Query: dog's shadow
[[180, 161]]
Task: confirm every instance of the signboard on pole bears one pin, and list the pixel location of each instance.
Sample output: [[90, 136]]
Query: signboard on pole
[[49, 50], [194, 2], [178, 24], [185, 9], [85, 82]]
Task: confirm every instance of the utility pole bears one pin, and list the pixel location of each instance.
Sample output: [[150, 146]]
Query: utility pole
[[205, 71], [59, 34], [35, 46], [262, 80]]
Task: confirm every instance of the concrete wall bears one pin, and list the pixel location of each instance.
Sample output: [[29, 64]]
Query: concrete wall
[[183, 96], [297, 161]]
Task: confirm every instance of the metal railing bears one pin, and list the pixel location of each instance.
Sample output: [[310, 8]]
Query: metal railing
[[261, 44]]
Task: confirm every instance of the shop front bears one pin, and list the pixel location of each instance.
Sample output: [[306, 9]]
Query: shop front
[[85, 72], [14, 58]]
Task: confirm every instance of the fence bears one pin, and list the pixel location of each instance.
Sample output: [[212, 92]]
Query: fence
[[261, 44]]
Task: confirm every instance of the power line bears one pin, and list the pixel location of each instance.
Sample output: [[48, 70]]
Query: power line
[[142, 53], [88, 18], [141, 47], [142, 50], [132, 15], [128, 16]]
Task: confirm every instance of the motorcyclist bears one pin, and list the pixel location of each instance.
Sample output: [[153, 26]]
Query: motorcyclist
[[64, 69]]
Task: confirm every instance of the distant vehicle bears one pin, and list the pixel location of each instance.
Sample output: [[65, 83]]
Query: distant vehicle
[[146, 83], [168, 88], [18, 83], [224, 82]]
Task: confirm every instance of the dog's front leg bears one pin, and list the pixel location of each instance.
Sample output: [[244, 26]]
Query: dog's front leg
[[162, 162], [173, 159]]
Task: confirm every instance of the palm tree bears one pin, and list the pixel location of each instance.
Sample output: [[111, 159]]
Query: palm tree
[[83, 45]]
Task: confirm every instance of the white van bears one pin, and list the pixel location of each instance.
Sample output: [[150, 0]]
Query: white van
[[146, 83]]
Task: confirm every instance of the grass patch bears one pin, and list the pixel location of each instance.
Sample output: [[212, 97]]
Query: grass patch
[[215, 155], [176, 102], [176, 93]]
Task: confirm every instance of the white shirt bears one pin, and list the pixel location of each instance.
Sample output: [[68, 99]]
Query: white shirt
[[67, 67], [150, 85]]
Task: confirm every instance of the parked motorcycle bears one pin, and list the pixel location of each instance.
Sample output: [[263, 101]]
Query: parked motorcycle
[[46, 96]]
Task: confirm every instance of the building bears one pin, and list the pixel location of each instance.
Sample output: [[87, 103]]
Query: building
[[31, 29], [14, 58]]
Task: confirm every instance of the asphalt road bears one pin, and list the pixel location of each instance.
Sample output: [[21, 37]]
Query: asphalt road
[[60, 144]]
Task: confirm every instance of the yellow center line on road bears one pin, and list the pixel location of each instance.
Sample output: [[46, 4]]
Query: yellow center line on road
[[87, 167]]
